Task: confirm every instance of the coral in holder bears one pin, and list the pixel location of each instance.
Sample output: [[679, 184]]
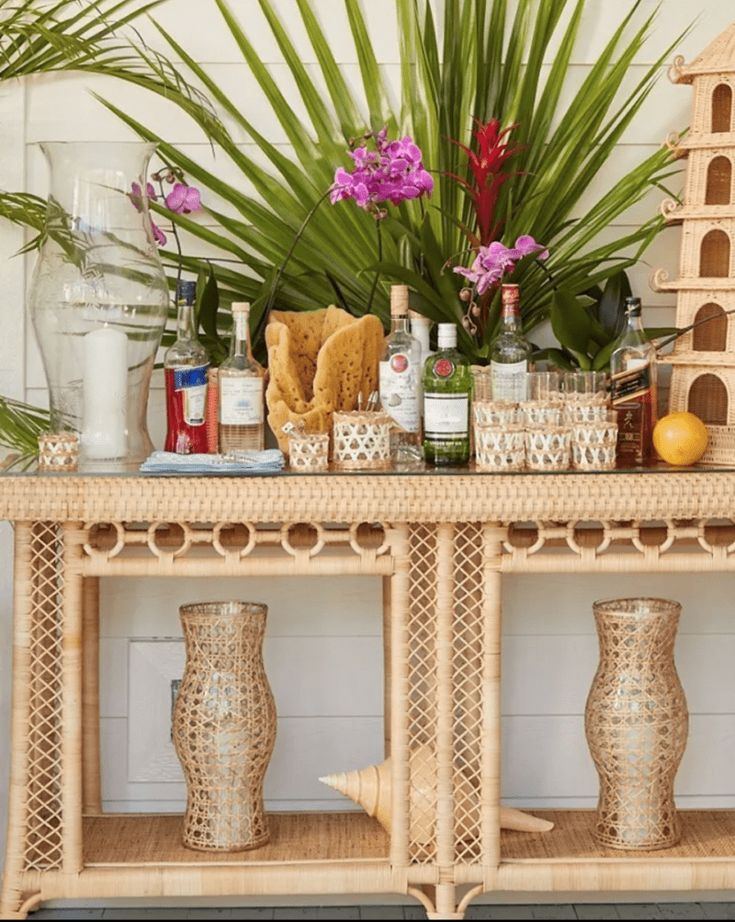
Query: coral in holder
[[319, 362]]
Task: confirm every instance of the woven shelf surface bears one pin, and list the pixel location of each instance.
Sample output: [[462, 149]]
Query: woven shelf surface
[[426, 497], [705, 834], [148, 839]]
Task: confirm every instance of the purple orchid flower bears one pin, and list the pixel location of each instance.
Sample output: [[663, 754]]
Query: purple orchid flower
[[393, 172], [183, 199], [495, 261]]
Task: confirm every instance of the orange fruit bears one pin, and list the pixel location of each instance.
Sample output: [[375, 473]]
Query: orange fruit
[[680, 438]]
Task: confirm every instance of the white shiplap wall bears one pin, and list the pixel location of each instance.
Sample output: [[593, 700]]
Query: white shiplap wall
[[324, 658]]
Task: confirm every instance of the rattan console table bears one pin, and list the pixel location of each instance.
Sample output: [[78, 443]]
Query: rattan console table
[[441, 542]]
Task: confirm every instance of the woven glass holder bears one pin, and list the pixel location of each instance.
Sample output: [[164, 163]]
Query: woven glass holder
[[500, 448], [308, 451], [495, 412], [636, 723], [548, 449], [224, 726], [58, 452], [582, 412], [542, 413], [361, 440], [594, 446]]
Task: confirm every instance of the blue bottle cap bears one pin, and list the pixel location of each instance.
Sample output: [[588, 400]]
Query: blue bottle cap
[[186, 291]]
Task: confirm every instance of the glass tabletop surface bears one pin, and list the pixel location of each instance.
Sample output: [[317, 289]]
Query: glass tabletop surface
[[415, 470]]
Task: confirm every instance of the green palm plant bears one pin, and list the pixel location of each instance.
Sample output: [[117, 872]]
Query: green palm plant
[[473, 73]]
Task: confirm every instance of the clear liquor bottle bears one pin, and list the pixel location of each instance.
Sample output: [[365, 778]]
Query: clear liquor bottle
[[241, 391], [447, 394], [511, 352], [186, 364], [400, 380], [634, 395]]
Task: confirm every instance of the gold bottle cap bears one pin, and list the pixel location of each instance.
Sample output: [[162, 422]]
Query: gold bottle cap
[[399, 300]]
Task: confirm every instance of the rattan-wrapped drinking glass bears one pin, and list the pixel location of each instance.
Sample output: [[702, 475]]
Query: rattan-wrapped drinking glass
[[496, 413], [308, 451], [541, 413], [500, 448], [224, 726], [58, 452], [636, 722], [548, 449], [594, 445], [361, 440]]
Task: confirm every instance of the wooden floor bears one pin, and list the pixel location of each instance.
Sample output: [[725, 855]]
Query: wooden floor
[[706, 834], [140, 839]]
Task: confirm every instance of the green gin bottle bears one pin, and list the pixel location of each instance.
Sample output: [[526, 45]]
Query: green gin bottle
[[447, 393]]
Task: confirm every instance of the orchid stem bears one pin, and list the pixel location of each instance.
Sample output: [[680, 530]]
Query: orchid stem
[[282, 268], [175, 232], [380, 260]]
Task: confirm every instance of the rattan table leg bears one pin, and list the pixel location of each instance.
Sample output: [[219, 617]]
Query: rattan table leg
[[12, 897], [92, 795], [398, 634], [492, 619], [387, 667], [71, 677]]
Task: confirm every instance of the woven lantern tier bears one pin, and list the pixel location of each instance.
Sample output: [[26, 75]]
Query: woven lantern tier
[[636, 723], [224, 726], [361, 441], [703, 360]]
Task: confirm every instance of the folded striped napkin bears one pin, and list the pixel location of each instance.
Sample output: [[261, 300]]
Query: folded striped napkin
[[240, 463]]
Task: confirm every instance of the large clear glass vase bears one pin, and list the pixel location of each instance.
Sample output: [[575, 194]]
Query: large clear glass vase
[[99, 298]]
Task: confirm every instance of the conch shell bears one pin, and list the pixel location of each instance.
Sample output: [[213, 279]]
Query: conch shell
[[372, 787]]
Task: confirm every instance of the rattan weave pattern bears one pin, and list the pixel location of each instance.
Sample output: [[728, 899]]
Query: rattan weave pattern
[[423, 498], [44, 825]]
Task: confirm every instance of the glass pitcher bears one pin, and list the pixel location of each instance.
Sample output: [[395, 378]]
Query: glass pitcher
[[99, 298]]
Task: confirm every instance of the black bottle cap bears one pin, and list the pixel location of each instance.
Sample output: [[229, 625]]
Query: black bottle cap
[[186, 291], [633, 307]]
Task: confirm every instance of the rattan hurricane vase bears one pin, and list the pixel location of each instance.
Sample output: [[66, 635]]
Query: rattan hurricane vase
[[636, 722], [224, 726]]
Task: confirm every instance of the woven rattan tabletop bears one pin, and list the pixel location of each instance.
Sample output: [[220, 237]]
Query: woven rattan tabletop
[[458, 495]]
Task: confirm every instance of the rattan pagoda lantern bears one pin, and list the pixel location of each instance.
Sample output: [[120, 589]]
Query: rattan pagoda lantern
[[703, 373]]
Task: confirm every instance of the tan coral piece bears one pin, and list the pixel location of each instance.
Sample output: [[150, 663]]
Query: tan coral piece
[[319, 361], [372, 789]]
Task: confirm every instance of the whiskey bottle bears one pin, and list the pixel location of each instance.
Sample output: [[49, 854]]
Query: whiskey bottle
[[185, 364], [511, 351], [400, 380], [241, 411], [447, 392], [633, 371]]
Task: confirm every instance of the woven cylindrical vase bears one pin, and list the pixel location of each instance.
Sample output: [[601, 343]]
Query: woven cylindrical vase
[[224, 726], [636, 723]]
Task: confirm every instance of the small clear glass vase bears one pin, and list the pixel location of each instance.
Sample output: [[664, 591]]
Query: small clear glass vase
[[99, 298]]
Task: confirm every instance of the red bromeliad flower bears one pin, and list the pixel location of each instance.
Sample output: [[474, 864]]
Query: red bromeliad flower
[[486, 166]]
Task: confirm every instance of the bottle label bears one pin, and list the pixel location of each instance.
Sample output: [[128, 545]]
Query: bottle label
[[631, 385], [509, 381], [192, 384], [240, 401], [399, 391], [446, 416]]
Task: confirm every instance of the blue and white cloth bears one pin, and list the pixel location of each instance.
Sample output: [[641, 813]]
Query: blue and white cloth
[[241, 463]]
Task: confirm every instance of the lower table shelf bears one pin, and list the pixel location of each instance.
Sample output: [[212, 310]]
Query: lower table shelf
[[705, 834], [155, 839]]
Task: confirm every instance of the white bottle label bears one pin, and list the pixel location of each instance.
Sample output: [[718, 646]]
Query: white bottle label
[[446, 416], [509, 381], [399, 391], [192, 382], [240, 401]]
